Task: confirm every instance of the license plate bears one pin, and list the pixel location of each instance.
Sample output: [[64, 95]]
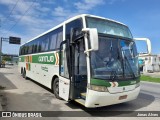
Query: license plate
[[122, 97]]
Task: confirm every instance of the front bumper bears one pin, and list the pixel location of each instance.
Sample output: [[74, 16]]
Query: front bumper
[[99, 99]]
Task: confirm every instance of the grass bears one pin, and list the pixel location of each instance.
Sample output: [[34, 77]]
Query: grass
[[149, 79]]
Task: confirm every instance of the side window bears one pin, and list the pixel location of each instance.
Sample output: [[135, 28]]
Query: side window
[[47, 44], [23, 50], [80, 59], [44, 43], [53, 38], [35, 46], [77, 25], [30, 48], [39, 45], [56, 37], [26, 49], [59, 38]]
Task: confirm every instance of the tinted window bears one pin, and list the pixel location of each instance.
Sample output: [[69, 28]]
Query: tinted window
[[56, 37], [26, 49], [53, 41], [22, 50], [35, 46], [30, 48], [75, 25], [59, 38], [39, 45], [44, 43]]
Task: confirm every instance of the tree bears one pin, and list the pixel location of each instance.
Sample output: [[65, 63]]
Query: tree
[[6, 58]]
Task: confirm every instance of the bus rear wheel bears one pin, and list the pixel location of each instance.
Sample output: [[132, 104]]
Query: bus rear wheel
[[56, 88], [24, 74]]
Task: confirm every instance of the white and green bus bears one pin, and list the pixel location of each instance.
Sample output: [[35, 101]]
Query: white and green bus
[[89, 59]]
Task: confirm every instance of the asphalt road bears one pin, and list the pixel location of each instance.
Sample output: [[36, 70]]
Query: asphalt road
[[26, 95]]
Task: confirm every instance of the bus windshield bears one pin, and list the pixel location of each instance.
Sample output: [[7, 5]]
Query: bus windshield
[[108, 27], [116, 59]]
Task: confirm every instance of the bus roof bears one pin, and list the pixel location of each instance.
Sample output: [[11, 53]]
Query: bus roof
[[69, 20]]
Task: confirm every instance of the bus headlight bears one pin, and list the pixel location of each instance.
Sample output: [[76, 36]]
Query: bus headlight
[[98, 88], [137, 85]]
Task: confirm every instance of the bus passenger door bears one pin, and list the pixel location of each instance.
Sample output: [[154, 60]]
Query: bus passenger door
[[64, 82]]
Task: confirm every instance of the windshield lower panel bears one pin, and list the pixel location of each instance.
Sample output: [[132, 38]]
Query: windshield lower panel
[[116, 59]]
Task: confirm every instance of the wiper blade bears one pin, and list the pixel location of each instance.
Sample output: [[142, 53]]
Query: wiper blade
[[113, 75], [126, 59]]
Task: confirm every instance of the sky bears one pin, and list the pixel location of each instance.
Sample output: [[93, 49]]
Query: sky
[[29, 18]]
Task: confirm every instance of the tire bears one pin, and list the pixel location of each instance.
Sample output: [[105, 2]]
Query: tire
[[56, 88], [21, 71], [24, 74]]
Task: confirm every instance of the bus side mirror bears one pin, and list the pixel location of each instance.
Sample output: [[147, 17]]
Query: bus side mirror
[[148, 42], [93, 38]]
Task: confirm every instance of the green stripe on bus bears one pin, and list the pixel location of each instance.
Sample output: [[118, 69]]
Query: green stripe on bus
[[105, 83], [100, 82], [44, 58], [49, 58]]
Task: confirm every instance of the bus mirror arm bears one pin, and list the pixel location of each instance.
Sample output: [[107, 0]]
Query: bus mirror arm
[[88, 50], [79, 37]]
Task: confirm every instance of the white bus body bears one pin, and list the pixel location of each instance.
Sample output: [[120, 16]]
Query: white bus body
[[69, 60]]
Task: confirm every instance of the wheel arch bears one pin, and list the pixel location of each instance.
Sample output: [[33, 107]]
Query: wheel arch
[[53, 78]]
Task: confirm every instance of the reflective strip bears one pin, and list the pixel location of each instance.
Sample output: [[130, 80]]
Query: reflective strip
[[114, 84], [57, 59], [30, 58]]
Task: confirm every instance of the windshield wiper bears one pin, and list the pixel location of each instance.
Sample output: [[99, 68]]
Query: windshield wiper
[[113, 75], [126, 59], [113, 72]]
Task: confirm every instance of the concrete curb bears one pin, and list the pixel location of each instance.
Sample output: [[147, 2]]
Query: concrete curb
[[150, 82]]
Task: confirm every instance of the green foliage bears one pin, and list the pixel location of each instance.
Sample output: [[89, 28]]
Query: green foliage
[[149, 79], [6, 58]]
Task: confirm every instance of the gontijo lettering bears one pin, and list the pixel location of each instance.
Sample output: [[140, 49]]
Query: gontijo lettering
[[46, 58]]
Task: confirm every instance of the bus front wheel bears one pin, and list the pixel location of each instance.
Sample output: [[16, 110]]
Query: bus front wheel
[[56, 88]]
